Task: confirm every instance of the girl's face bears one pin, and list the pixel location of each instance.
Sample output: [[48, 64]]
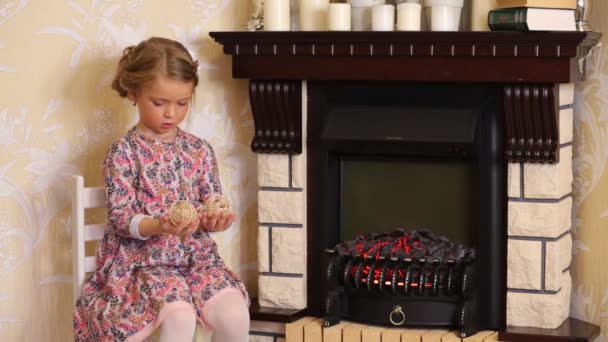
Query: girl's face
[[163, 104]]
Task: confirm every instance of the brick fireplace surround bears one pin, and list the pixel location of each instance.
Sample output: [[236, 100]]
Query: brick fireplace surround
[[539, 189]]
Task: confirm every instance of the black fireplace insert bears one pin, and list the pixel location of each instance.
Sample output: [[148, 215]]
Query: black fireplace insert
[[392, 163]]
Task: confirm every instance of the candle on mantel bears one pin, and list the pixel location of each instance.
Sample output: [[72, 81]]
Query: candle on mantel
[[383, 18], [479, 14], [409, 16], [313, 15], [339, 17], [276, 15]]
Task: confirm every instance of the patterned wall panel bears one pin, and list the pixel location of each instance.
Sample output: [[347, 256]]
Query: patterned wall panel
[[589, 271], [58, 115]]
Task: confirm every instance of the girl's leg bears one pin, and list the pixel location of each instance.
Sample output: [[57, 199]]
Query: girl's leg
[[179, 326], [228, 316]]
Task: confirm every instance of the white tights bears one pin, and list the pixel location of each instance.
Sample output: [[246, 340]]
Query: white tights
[[227, 315], [178, 326]]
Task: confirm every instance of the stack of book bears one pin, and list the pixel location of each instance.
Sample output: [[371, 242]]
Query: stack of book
[[533, 15]]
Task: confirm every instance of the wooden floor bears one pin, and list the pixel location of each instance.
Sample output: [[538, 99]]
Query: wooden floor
[[309, 329]]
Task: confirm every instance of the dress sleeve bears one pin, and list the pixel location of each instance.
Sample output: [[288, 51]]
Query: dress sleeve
[[209, 181], [121, 194]]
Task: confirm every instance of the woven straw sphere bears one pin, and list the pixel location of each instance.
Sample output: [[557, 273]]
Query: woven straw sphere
[[216, 204], [182, 212]]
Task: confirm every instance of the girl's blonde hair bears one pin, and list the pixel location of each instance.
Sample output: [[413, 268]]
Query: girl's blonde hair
[[151, 58]]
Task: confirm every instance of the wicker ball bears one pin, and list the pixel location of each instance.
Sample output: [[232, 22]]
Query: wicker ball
[[182, 212], [217, 204]]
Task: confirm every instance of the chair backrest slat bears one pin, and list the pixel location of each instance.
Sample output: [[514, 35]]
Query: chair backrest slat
[[94, 197], [94, 232], [89, 264]]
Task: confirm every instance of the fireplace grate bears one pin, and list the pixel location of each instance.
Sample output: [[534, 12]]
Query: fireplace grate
[[402, 278]]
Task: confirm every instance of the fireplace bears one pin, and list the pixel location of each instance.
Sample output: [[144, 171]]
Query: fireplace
[[386, 155], [484, 107]]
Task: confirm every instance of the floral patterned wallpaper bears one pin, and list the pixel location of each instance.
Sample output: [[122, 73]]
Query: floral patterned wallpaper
[[590, 229], [58, 115]]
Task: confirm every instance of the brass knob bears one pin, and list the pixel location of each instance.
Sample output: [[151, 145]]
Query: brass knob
[[397, 316]]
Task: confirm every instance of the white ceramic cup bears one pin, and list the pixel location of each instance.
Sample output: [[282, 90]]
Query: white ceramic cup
[[361, 13], [443, 15], [409, 16], [383, 18], [339, 17]]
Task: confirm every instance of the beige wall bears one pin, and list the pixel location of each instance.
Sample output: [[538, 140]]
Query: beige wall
[[58, 115], [590, 260]]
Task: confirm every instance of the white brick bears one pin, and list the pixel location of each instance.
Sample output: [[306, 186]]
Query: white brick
[[549, 180], [513, 180], [281, 207], [566, 93], [539, 310], [282, 292], [566, 125], [273, 170], [259, 338], [263, 250], [267, 327], [288, 250], [298, 170], [539, 219], [557, 259], [524, 264]]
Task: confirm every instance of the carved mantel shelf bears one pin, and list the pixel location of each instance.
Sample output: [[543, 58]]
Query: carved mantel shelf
[[529, 64]]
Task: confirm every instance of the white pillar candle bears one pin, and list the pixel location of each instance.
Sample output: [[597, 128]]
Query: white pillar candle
[[339, 17], [479, 14], [409, 16], [383, 18], [276, 15], [313, 15]]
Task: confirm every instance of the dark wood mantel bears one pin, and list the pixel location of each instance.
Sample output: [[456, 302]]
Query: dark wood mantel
[[528, 64], [504, 57]]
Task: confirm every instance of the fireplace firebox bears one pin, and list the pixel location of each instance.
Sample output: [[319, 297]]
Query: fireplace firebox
[[429, 161]]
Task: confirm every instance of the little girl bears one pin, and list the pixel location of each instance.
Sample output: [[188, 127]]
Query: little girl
[[150, 272]]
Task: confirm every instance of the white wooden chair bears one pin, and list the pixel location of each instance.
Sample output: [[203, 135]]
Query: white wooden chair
[[84, 198], [89, 198]]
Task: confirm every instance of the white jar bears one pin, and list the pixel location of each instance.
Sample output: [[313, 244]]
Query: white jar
[[443, 15], [383, 18], [361, 13], [409, 16], [339, 17], [276, 15]]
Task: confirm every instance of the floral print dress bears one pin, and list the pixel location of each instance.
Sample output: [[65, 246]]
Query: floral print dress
[[138, 282]]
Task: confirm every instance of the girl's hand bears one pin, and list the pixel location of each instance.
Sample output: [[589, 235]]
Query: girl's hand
[[167, 227], [217, 222], [191, 228]]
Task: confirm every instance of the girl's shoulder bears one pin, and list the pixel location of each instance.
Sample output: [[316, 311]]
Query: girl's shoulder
[[122, 145], [196, 142]]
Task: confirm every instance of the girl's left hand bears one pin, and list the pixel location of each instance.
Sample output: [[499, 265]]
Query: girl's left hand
[[217, 222]]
